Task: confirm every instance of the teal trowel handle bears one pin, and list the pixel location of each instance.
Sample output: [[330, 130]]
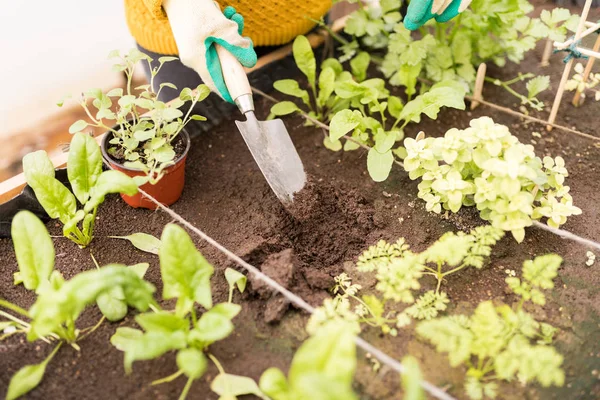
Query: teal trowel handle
[[236, 80]]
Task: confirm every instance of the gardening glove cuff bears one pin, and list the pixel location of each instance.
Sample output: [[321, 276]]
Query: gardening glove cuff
[[421, 11], [197, 26]]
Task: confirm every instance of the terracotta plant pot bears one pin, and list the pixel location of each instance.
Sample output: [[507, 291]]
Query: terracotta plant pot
[[167, 190]]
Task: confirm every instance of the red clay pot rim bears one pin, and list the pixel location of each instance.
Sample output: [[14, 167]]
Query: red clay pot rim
[[109, 135]]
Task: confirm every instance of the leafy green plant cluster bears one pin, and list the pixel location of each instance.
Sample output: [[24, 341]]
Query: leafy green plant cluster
[[499, 343], [186, 277], [59, 303], [484, 165], [143, 141], [399, 272], [319, 100], [489, 31], [89, 183], [361, 110]]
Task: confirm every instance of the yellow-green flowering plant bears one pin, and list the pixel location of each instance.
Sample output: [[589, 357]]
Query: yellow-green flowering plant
[[485, 166]]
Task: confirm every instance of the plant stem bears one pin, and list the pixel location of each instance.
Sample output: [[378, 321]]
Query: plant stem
[[15, 319], [167, 379], [14, 307], [230, 294], [92, 329], [454, 270], [186, 389], [217, 363], [94, 260], [51, 355]]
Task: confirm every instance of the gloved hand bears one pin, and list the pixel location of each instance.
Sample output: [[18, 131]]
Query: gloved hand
[[197, 26], [421, 11]]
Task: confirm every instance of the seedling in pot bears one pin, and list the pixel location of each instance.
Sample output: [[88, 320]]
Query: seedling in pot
[[89, 183], [59, 303], [186, 276], [142, 142]]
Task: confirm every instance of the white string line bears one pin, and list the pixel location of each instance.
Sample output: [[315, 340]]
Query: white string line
[[295, 299], [560, 232], [568, 235]]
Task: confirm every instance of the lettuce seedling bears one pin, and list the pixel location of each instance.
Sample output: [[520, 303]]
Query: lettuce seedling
[[499, 342], [186, 276], [89, 183], [486, 166], [59, 303], [143, 141], [399, 271], [322, 368]]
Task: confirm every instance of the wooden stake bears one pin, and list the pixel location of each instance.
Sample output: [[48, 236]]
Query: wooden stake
[[547, 53], [479, 81], [586, 72], [567, 71]]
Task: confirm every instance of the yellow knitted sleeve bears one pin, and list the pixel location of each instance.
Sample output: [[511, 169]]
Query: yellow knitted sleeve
[[267, 22]]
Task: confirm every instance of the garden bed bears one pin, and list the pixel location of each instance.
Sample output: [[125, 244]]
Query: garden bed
[[339, 215]]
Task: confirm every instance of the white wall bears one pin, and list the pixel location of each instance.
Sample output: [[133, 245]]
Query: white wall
[[49, 48]]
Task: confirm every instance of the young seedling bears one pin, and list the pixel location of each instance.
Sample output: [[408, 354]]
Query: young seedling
[[142, 241], [89, 183], [186, 276], [143, 141], [535, 85], [59, 303], [323, 368], [499, 342], [486, 166], [235, 278]]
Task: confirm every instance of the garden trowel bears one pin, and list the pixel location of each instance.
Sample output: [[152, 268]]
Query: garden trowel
[[268, 141]]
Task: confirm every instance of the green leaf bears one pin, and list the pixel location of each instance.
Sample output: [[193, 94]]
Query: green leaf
[[443, 94], [186, 94], [192, 362], [395, 106], [169, 85], [379, 164], [359, 65], [197, 117], [326, 86], [33, 248], [164, 154], [110, 182], [53, 196], [140, 269], [124, 338], [78, 126], [344, 122], [143, 135], [211, 327], [162, 321], [330, 353], [542, 270], [117, 92], [411, 379], [305, 58], [284, 108], [291, 88], [38, 163], [230, 386], [142, 241], [111, 304], [334, 64], [185, 272], [537, 85], [84, 165], [165, 59], [274, 383], [28, 377], [335, 145], [170, 114], [228, 310]]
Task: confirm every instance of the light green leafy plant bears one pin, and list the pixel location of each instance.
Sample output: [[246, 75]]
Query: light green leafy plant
[[89, 183], [501, 343], [368, 122], [186, 276], [535, 85], [321, 102], [399, 271], [143, 141], [59, 303], [322, 369], [484, 165]]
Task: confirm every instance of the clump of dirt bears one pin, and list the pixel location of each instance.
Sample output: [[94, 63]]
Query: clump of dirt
[[327, 223], [280, 267]]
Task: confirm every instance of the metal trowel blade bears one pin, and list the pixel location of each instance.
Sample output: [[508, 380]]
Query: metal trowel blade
[[273, 150]]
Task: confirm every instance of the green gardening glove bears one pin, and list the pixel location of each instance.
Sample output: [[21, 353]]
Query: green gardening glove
[[421, 11], [198, 25]]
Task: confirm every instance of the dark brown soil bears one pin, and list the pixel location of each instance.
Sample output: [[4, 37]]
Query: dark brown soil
[[339, 215]]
